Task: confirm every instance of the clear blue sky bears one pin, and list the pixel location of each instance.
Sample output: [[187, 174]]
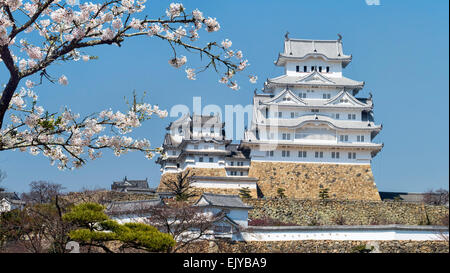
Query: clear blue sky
[[400, 49]]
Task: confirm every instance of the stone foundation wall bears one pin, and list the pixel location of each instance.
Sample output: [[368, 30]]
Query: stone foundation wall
[[334, 212], [306, 180], [320, 246], [202, 172]]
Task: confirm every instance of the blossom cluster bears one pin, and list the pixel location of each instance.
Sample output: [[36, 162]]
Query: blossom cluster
[[60, 31], [69, 140]]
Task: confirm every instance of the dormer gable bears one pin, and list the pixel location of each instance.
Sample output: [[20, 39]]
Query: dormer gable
[[315, 77], [345, 99], [286, 97]]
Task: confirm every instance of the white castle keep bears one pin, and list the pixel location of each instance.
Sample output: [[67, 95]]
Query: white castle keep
[[308, 132]]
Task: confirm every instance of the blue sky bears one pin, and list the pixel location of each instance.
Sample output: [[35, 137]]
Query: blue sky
[[400, 49]]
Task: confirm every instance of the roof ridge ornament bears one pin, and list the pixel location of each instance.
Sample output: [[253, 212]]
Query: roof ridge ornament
[[339, 40], [286, 36]]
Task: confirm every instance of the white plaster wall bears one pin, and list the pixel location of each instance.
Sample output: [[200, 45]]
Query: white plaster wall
[[286, 113], [362, 157], [335, 67], [339, 235], [130, 218]]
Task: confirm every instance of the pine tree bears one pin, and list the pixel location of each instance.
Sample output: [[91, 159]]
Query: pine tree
[[280, 192], [244, 192], [323, 194]]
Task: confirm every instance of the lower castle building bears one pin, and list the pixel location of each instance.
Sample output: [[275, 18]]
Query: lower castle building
[[309, 133]]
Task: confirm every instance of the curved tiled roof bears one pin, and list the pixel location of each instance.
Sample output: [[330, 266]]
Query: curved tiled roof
[[322, 80], [334, 123], [222, 200], [302, 49]]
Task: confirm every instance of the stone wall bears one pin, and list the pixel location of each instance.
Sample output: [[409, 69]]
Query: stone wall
[[332, 212], [306, 180], [202, 172], [321, 246]]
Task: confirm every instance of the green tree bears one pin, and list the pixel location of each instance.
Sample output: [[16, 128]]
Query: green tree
[[244, 192], [323, 194], [280, 192], [96, 229]]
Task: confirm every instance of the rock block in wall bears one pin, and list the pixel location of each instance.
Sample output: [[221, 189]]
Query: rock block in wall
[[306, 180]]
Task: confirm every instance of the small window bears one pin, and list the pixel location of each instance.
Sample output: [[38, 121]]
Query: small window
[[200, 159], [211, 130], [292, 114], [302, 154], [297, 68], [286, 136], [351, 155], [231, 163], [320, 69], [211, 159], [328, 69], [337, 154], [337, 116], [195, 147], [312, 68], [269, 153], [305, 69], [280, 114], [285, 153], [315, 110], [242, 173]]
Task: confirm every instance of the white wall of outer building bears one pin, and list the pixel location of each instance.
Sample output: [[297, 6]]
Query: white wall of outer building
[[5, 205], [335, 67], [338, 235], [131, 218], [362, 157]]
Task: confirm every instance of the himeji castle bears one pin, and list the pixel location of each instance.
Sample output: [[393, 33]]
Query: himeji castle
[[309, 132]]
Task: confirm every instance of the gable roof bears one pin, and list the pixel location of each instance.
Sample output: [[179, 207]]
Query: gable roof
[[138, 184], [10, 196], [314, 78], [299, 49], [286, 93], [222, 200], [344, 94], [125, 207]]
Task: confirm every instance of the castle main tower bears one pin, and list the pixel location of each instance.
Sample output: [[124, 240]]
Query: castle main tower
[[309, 132]]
